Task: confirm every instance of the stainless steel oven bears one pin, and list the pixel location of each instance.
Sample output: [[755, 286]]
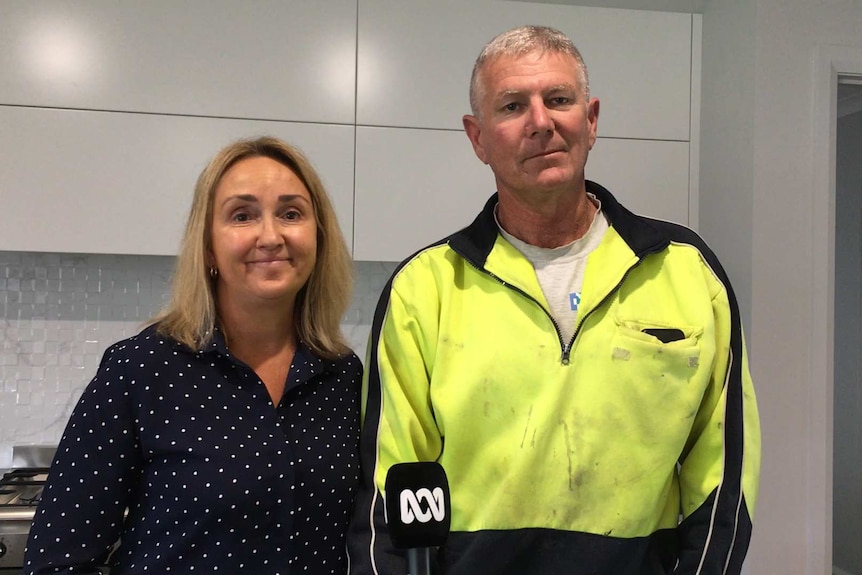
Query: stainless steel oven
[[20, 491]]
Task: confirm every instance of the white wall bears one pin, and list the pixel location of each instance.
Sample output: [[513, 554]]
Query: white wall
[[726, 140], [792, 525], [847, 482]]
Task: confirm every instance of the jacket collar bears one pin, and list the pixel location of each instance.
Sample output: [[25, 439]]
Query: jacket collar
[[476, 241]]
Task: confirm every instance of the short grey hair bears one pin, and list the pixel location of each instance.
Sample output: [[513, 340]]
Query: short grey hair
[[520, 42]]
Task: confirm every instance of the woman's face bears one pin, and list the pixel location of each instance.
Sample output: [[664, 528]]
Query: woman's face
[[264, 234]]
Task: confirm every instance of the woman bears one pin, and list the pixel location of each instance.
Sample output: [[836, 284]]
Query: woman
[[227, 429]]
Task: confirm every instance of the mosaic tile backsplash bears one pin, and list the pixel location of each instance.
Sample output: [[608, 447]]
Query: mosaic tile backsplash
[[59, 312]]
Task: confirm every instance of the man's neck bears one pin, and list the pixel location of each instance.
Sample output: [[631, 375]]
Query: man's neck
[[554, 221]]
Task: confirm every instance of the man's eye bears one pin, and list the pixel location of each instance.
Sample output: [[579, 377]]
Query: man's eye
[[511, 107], [561, 101]]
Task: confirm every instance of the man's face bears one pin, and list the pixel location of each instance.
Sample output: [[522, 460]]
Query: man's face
[[536, 127]]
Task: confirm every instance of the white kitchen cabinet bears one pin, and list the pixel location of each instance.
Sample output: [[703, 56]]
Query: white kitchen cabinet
[[108, 111], [269, 60], [415, 60], [108, 182], [647, 177], [414, 186]]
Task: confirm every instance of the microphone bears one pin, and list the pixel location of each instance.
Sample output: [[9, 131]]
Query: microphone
[[418, 511]]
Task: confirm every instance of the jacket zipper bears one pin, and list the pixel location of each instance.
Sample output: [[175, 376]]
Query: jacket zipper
[[640, 258], [566, 349], [516, 289]]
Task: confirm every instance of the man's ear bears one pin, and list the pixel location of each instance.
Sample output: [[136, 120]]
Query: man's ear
[[473, 128], [593, 119]]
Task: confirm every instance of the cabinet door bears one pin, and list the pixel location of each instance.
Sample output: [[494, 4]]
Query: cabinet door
[[414, 187], [107, 182], [269, 60], [649, 178], [415, 60]]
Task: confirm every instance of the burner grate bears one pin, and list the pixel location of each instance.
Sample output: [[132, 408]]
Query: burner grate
[[22, 486]]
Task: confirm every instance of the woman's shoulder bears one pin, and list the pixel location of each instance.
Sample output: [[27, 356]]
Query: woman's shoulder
[[147, 342], [348, 369], [346, 364]]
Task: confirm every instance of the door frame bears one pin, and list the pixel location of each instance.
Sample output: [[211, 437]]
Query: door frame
[[830, 62]]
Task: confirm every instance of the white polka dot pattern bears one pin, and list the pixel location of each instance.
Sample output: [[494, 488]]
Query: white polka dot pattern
[[214, 478]]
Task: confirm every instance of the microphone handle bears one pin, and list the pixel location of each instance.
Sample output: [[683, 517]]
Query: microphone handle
[[419, 561]]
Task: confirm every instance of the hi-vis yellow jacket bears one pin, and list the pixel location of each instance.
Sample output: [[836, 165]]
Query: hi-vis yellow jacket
[[632, 449]]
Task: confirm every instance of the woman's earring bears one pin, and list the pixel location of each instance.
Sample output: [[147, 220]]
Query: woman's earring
[[213, 272]]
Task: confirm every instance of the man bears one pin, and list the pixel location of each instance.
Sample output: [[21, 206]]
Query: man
[[579, 371]]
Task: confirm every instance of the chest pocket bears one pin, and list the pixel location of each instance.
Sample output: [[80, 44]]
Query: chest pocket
[[668, 352]]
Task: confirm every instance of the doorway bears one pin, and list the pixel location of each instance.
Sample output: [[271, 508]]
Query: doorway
[[847, 399], [832, 63]]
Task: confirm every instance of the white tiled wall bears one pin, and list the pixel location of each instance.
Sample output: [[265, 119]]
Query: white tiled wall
[[59, 312]]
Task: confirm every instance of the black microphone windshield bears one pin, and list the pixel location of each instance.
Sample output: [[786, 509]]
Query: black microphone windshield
[[417, 504]]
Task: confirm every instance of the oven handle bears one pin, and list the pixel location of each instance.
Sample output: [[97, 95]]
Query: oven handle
[[17, 514]]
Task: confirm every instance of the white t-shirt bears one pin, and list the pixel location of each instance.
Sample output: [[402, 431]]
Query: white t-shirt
[[560, 271]]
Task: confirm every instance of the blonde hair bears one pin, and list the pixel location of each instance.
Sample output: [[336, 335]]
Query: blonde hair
[[520, 42], [191, 316]]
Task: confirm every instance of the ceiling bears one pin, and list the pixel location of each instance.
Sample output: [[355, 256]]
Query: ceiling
[[688, 6]]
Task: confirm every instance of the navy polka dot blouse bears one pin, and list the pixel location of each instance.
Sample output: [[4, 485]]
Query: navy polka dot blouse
[[182, 457]]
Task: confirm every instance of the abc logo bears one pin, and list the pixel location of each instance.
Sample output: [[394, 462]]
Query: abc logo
[[412, 508], [417, 502]]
